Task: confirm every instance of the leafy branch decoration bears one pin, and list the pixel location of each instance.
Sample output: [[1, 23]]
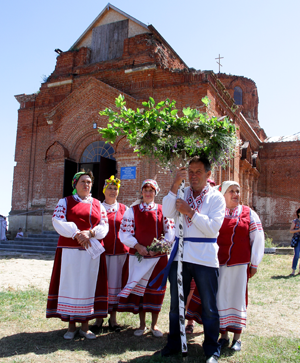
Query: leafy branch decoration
[[159, 131]]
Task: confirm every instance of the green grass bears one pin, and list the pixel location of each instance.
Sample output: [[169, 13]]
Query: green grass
[[21, 304], [272, 333]]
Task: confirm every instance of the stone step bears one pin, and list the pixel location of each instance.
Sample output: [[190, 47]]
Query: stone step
[[40, 239], [27, 249], [51, 232], [32, 242], [43, 236], [45, 242], [36, 240]]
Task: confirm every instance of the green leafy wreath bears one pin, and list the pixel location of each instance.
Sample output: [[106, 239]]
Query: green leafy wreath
[[159, 132]]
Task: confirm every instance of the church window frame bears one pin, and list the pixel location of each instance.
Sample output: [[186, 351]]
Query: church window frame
[[238, 95], [97, 149]]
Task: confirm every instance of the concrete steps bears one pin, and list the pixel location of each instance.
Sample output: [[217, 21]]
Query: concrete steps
[[45, 242]]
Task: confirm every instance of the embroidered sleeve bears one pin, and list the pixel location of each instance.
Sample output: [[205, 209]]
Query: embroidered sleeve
[[127, 229], [169, 205], [102, 229], [169, 229], [60, 223], [209, 224], [257, 239]]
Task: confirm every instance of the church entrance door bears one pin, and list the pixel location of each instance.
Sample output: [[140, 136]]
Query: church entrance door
[[101, 171], [98, 158]]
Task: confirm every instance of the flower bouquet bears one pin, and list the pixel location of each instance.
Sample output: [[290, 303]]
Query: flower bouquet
[[158, 245]]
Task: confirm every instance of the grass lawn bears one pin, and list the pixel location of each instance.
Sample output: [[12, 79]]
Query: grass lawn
[[272, 333]]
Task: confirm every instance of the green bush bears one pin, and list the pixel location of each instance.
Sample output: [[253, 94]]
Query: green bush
[[268, 241]]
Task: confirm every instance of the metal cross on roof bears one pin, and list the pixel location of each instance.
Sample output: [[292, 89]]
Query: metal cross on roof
[[219, 63]]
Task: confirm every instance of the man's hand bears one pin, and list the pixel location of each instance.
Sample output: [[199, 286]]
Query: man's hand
[[183, 207], [180, 175], [252, 271], [142, 250]]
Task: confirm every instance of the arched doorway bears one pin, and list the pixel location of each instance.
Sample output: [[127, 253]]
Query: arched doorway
[[97, 157]]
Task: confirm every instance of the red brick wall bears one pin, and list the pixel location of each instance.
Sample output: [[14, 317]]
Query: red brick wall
[[58, 124], [278, 185], [249, 108]]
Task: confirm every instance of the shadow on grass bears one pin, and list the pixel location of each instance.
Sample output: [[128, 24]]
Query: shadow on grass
[[107, 344], [284, 277], [195, 354], [42, 343]]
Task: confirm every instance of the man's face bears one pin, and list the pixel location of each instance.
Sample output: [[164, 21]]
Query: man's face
[[198, 176]]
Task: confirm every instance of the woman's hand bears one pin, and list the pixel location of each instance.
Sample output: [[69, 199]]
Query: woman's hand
[[152, 253], [142, 250], [82, 238], [252, 271], [85, 234], [293, 230]]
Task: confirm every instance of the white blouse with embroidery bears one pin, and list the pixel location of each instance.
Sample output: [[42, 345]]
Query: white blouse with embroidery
[[128, 226], [111, 208], [69, 229], [209, 209]]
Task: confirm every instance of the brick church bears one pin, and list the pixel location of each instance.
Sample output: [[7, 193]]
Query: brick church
[[57, 127]]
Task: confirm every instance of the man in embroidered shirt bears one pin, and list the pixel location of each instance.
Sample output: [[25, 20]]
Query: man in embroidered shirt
[[203, 208]]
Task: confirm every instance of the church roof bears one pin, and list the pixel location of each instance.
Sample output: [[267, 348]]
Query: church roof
[[295, 137], [111, 14], [100, 20]]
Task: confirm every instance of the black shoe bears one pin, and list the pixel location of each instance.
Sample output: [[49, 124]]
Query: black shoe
[[236, 345], [212, 359], [96, 328], [223, 342], [116, 328], [166, 352]]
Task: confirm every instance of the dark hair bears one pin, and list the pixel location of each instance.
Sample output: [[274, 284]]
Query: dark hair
[[298, 212], [88, 173], [201, 159], [148, 185]]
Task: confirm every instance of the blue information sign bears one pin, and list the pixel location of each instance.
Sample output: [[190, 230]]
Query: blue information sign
[[128, 172]]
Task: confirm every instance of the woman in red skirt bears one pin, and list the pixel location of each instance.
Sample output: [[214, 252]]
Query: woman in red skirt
[[141, 224], [116, 253], [241, 249], [78, 286]]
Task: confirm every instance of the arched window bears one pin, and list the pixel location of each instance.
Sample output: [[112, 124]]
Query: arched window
[[238, 95], [93, 153]]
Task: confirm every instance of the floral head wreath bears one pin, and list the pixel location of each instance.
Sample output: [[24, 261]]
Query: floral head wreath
[[75, 180], [153, 183], [111, 181]]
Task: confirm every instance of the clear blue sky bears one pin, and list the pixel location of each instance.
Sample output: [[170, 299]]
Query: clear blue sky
[[258, 39]]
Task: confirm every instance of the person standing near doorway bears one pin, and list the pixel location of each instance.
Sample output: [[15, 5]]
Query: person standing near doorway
[[116, 252], [78, 286]]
